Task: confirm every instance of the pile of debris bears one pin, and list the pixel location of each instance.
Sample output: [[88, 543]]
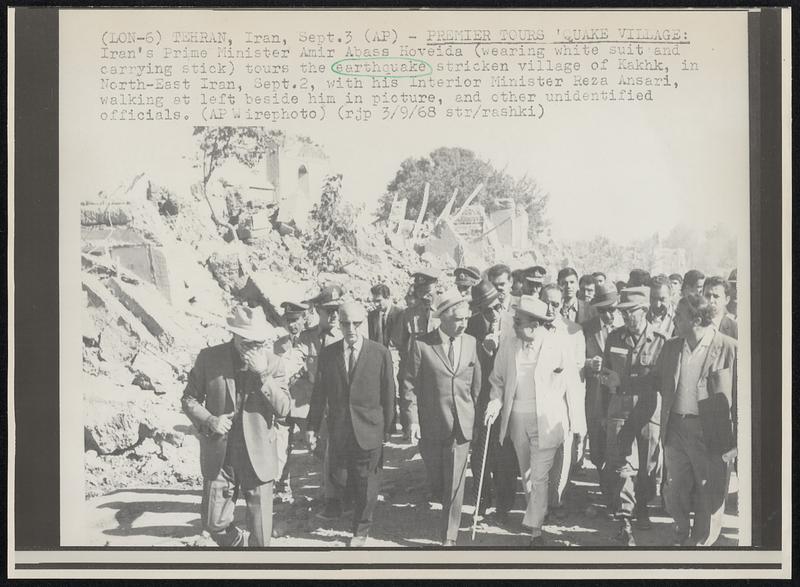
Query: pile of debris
[[158, 280]]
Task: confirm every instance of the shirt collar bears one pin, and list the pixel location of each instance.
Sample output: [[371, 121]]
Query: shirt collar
[[446, 337], [356, 345], [717, 321]]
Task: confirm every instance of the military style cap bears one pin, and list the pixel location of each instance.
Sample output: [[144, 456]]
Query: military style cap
[[329, 297], [605, 295], [634, 297], [536, 274], [466, 276], [292, 309], [424, 277]]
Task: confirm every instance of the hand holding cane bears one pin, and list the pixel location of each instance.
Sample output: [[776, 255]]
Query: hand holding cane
[[480, 481]]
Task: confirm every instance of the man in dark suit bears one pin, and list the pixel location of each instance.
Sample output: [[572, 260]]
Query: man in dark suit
[[235, 393], [385, 326], [718, 293], [356, 384], [696, 376], [500, 469], [572, 308], [442, 380]]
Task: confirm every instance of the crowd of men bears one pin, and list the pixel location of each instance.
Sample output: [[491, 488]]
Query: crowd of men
[[517, 376]]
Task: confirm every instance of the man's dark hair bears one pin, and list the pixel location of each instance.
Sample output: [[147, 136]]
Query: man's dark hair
[[496, 271], [586, 279], [698, 308], [677, 277], [548, 287], [716, 280], [381, 290], [638, 277], [692, 277], [597, 274], [566, 272]]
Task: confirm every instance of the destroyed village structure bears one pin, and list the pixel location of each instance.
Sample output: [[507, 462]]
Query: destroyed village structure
[[162, 271]]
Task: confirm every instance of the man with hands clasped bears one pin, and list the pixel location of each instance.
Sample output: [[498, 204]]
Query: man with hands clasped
[[235, 393]]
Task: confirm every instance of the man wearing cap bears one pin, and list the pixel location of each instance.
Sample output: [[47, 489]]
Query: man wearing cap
[[295, 357], [325, 333], [355, 383], [465, 279], [442, 381], [661, 313], [529, 384], [596, 333], [633, 456], [533, 280], [696, 377], [717, 291], [418, 319], [501, 462], [572, 308], [385, 326], [235, 392], [732, 305]]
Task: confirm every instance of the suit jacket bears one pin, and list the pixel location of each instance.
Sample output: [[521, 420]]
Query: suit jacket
[[717, 411], [729, 327], [295, 356], [554, 366], [393, 332], [366, 402], [211, 391], [575, 341], [585, 312], [478, 328], [417, 321], [440, 397], [596, 335]]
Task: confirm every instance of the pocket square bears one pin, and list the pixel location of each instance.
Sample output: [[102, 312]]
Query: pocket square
[[558, 370], [472, 364]]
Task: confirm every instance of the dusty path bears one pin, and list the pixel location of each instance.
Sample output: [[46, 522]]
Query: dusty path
[[153, 516]]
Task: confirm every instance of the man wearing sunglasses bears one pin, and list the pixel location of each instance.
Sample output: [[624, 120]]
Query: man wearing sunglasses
[[633, 455]]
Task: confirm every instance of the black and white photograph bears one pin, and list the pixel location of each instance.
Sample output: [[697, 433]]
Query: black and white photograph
[[473, 282]]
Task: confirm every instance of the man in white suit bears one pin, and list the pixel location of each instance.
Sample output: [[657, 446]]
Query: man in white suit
[[529, 384]]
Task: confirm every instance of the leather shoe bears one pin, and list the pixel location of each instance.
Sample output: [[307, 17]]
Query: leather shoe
[[536, 542], [449, 543], [643, 521], [626, 534], [357, 542]]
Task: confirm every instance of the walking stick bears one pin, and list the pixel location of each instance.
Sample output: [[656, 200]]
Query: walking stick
[[480, 481]]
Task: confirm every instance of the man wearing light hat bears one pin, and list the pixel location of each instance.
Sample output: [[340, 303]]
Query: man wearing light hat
[[528, 388], [295, 356], [235, 393], [633, 453], [442, 380]]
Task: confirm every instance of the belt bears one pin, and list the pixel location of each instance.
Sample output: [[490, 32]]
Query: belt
[[683, 416]]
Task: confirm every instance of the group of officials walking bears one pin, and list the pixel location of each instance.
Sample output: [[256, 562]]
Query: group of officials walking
[[515, 376]]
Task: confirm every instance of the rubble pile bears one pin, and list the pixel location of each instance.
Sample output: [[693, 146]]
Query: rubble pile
[[159, 277]]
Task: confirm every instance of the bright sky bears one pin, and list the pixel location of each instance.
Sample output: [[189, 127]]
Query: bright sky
[[619, 169]]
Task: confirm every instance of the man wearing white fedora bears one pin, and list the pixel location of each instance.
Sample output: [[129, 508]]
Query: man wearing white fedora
[[529, 382], [442, 380], [235, 393]]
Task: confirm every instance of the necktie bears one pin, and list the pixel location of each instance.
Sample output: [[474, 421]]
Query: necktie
[[451, 352], [351, 363], [381, 328]]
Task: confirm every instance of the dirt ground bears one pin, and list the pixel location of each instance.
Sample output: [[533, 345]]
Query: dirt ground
[[169, 516]]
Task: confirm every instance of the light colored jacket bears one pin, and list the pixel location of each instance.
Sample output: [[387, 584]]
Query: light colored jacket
[[554, 368]]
